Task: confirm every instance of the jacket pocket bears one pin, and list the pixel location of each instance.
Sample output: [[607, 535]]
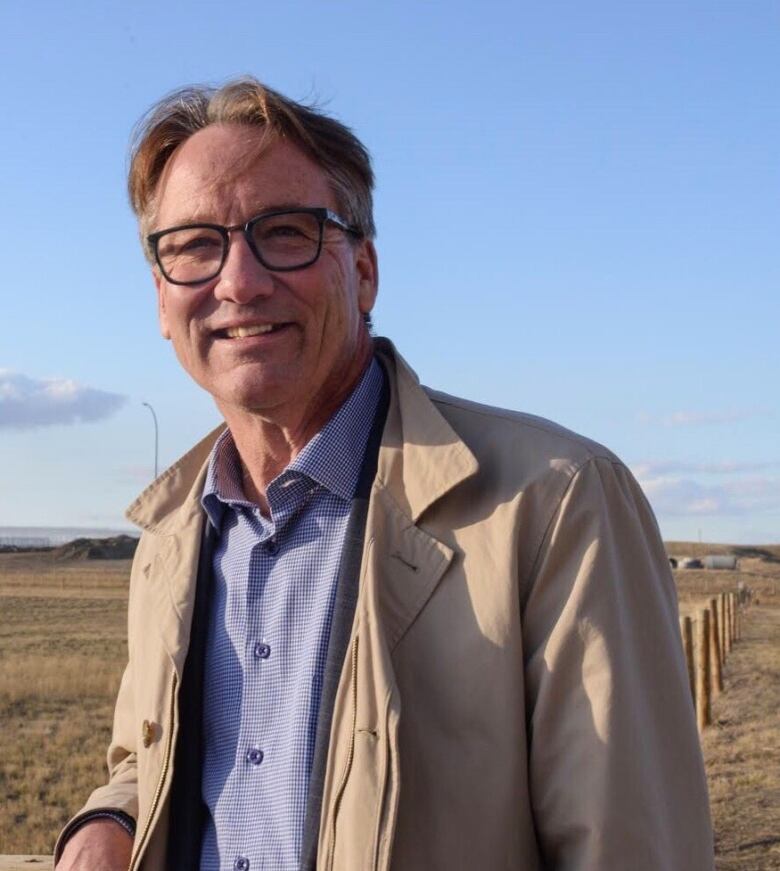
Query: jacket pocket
[[364, 809]]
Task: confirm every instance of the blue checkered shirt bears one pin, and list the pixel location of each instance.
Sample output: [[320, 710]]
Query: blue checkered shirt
[[274, 581]]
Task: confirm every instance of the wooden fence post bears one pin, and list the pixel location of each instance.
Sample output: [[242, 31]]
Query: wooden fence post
[[715, 661], [686, 630], [729, 638], [733, 605], [737, 615], [730, 611], [703, 709], [724, 647]]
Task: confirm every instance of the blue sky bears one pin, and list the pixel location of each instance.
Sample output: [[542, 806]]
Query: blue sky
[[578, 217]]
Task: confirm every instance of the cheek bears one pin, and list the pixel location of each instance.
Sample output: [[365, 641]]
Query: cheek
[[182, 316], [177, 324]]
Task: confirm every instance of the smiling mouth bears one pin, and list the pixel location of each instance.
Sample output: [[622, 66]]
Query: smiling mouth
[[245, 332]]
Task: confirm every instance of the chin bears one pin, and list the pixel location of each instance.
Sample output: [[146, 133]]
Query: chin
[[254, 397]]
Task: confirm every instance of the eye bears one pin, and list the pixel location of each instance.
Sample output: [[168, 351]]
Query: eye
[[282, 231], [198, 243], [190, 242], [296, 227]]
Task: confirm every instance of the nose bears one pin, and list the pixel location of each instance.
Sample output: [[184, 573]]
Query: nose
[[242, 278]]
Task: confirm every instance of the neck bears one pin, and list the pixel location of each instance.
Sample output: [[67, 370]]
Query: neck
[[267, 444]]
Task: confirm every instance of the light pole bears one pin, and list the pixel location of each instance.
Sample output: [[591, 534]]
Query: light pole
[[156, 435]]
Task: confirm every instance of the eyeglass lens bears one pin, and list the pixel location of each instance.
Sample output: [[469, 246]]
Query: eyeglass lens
[[282, 241]]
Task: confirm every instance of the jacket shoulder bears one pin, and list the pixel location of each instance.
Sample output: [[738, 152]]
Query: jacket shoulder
[[487, 429], [545, 470]]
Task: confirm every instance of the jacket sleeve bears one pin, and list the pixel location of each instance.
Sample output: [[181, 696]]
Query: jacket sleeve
[[121, 791], [616, 773]]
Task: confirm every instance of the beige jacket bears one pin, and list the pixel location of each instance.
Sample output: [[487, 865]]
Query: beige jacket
[[515, 695]]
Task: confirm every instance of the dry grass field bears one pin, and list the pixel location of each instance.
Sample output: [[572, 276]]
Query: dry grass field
[[62, 649]]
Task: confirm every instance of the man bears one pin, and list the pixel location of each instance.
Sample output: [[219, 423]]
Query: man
[[371, 626]]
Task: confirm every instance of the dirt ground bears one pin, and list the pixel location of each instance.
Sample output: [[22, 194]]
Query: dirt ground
[[62, 650], [742, 749]]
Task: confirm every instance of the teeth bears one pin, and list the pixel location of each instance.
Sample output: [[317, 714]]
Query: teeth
[[243, 332]]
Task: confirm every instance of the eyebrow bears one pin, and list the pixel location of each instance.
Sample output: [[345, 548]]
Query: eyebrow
[[199, 218]]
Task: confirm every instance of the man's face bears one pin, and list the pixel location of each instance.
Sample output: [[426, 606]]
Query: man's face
[[318, 343]]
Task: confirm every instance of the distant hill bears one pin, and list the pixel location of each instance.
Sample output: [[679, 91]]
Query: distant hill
[[117, 547]]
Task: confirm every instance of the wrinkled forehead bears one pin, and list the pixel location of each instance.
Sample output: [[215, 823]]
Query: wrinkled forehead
[[212, 161], [223, 172]]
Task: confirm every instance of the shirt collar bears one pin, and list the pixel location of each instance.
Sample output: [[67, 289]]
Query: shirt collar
[[332, 458], [223, 487]]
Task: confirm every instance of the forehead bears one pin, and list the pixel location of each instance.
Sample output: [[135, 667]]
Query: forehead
[[228, 173]]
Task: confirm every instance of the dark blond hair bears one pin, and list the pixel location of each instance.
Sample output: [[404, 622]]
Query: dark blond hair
[[246, 101]]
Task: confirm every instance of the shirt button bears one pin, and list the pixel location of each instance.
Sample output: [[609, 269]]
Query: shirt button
[[262, 651], [271, 547], [241, 864], [255, 756]]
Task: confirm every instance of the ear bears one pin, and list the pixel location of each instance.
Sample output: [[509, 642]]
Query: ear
[[368, 275], [162, 313]]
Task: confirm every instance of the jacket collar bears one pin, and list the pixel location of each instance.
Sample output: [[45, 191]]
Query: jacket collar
[[169, 502], [420, 460]]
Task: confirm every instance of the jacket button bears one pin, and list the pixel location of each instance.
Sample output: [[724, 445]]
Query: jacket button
[[147, 733]]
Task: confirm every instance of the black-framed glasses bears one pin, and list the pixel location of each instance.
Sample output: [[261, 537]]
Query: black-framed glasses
[[282, 241]]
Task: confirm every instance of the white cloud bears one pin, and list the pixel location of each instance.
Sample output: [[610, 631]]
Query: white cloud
[[675, 496], [701, 418], [27, 403], [656, 468]]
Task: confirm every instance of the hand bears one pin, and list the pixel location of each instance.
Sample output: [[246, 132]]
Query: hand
[[99, 845]]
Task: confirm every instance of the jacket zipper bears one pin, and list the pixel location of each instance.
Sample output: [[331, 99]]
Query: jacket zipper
[[350, 755], [161, 780]]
